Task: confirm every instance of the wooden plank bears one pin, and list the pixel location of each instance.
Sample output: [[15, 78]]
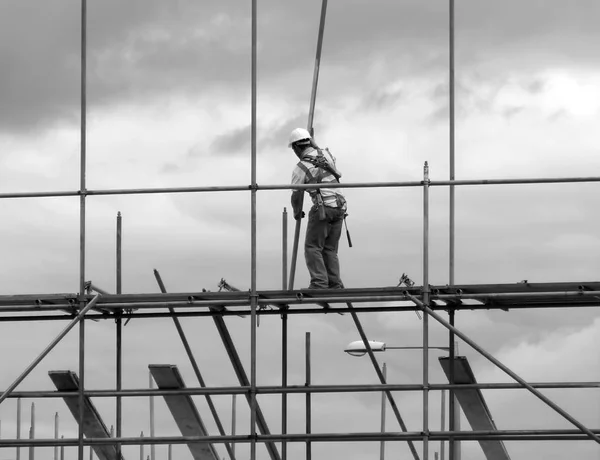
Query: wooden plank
[[183, 409], [93, 426], [474, 407]]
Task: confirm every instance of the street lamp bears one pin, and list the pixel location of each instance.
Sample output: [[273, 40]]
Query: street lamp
[[357, 348]]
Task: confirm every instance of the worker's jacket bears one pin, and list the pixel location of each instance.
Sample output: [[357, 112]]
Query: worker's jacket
[[306, 172]]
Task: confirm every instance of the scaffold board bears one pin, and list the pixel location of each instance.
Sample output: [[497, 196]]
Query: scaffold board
[[183, 409], [93, 426], [474, 407]]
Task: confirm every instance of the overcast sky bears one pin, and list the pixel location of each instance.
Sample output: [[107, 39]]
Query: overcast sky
[[168, 93]]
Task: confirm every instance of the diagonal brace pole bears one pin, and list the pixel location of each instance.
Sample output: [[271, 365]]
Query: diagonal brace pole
[[487, 355], [49, 348], [388, 393], [188, 350]]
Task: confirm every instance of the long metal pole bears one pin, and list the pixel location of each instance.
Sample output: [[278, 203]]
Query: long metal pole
[[233, 421], [32, 432], [56, 435], [284, 336], [310, 128], [18, 426], [119, 332], [443, 425], [83, 143], [308, 396], [253, 295], [382, 444], [151, 386], [454, 446], [505, 369], [244, 188], [425, 317], [313, 94]]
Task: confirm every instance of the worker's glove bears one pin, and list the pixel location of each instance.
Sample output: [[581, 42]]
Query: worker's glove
[[299, 215]]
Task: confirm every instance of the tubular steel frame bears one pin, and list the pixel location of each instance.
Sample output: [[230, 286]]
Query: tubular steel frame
[[430, 300]]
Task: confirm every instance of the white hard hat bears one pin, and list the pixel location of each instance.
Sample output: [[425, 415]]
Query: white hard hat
[[298, 134]]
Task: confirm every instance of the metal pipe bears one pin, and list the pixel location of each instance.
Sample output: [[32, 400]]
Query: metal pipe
[[284, 336], [382, 444], [425, 317], [82, 210], [253, 295], [194, 363], [233, 422], [506, 370], [313, 94], [245, 188], [151, 385], [32, 432], [18, 424], [49, 348], [56, 435], [451, 87], [308, 395], [298, 389], [142, 446], [119, 331], [443, 425], [363, 336], [510, 435]]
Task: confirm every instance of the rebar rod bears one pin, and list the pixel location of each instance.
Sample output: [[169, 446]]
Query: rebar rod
[[194, 363], [506, 370], [388, 393]]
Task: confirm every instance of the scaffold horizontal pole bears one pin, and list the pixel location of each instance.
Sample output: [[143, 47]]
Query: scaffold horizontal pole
[[246, 188]]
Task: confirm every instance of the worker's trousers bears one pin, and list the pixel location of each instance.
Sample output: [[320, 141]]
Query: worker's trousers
[[321, 248]]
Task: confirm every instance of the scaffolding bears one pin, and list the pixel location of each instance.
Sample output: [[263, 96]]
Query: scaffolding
[[93, 303]]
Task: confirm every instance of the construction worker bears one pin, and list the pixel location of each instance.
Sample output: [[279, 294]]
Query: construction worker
[[326, 216]]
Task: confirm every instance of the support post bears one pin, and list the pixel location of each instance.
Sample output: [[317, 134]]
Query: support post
[[56, 435], [284, 335], [425, 317], [82, 213], [308, 395], [253, 294], [119, 332], [18, 456], [382, 443], [151, 386]]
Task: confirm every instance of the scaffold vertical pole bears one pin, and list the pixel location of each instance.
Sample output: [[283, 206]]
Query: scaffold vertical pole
[[425, 316], [253, 295], [119, 332], [18, 456], [82, 199], [382, 443], [308, 395], [284, 335], [453, 412]]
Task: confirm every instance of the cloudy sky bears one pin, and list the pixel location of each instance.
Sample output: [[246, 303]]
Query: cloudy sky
[[169, 106]]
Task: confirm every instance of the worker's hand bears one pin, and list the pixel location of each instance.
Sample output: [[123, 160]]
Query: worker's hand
[[299, 215]]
